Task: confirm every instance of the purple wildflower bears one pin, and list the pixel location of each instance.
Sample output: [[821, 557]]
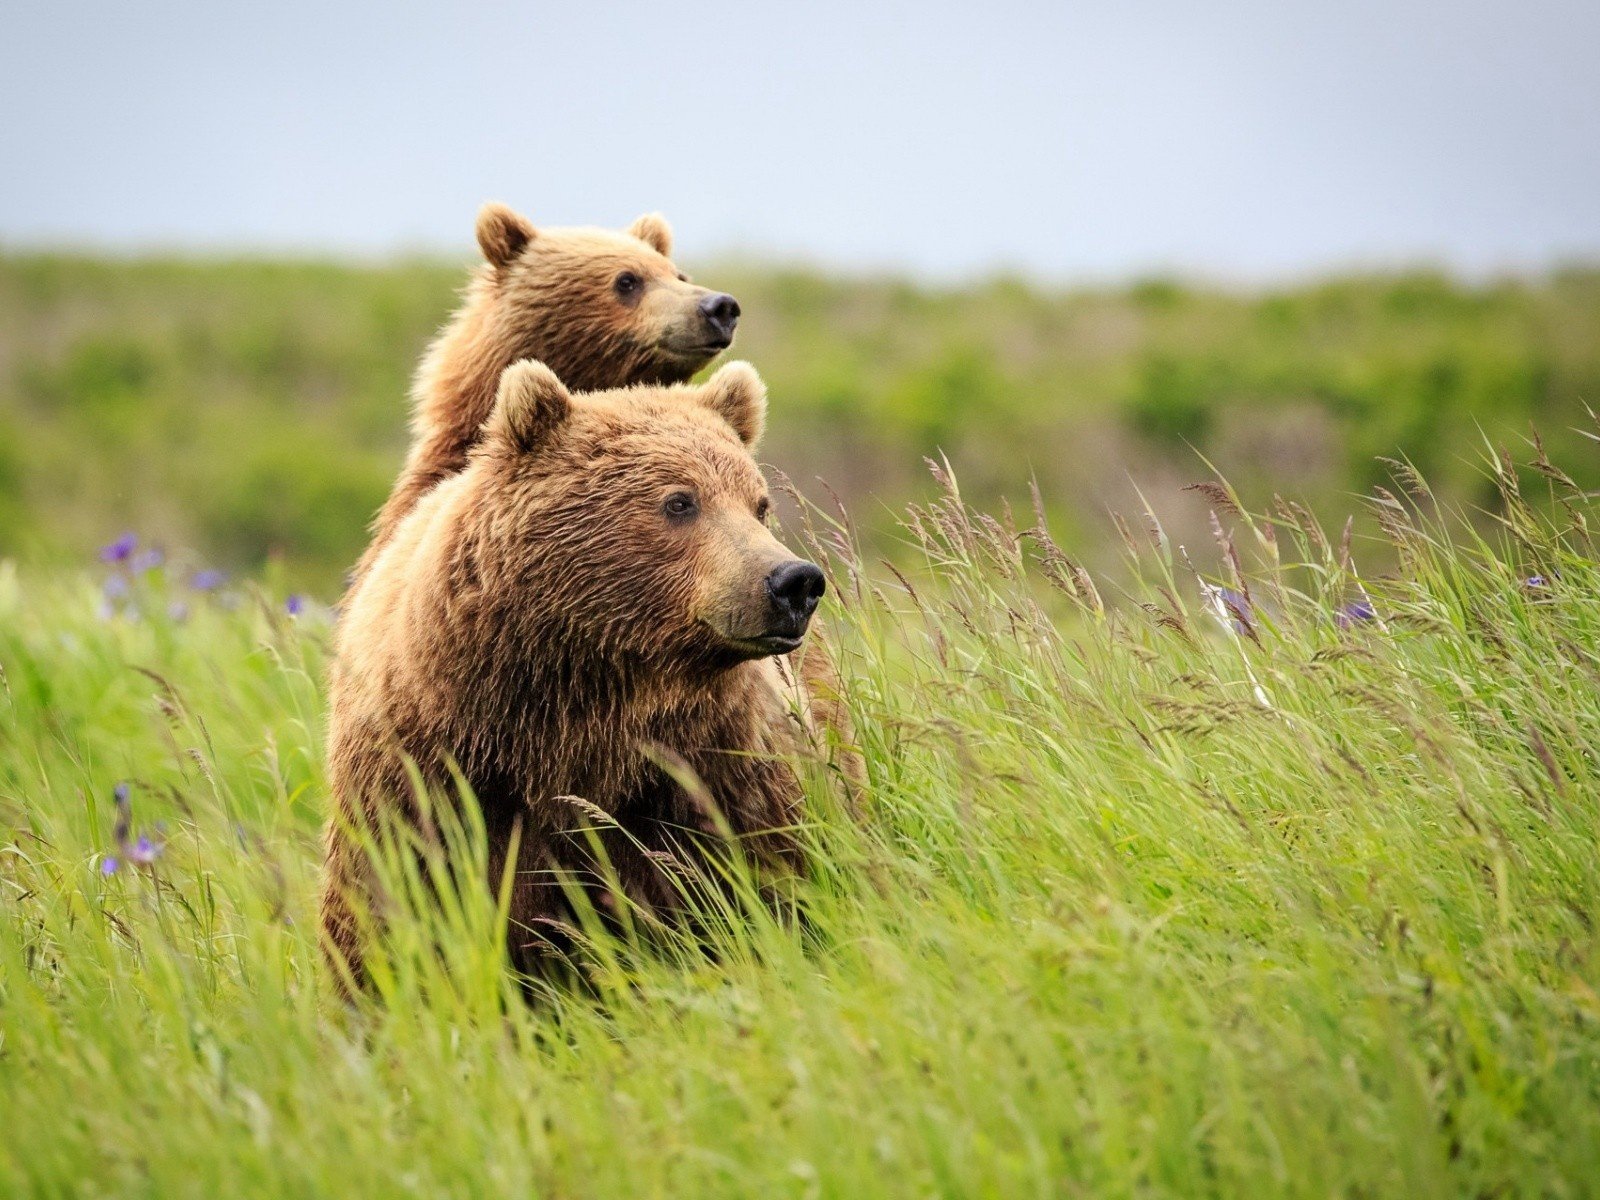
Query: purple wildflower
[[120, 550], [1541, 582], [116, 587], [141, 852], [295, 604], [208, 580], [1354, 613], [147, 560]]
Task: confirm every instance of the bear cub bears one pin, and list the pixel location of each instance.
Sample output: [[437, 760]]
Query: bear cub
[[600, 308]]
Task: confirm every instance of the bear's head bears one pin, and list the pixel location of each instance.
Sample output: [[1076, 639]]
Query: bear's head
[[601, 308], [635, 521]]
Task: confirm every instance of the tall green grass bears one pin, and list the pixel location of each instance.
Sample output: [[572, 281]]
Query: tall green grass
[[1159, 889]]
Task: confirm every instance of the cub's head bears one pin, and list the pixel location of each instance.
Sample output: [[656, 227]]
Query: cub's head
[[602, 309], [637, 520]]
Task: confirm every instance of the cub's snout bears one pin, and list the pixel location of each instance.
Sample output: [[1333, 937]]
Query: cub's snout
[[721, 314]]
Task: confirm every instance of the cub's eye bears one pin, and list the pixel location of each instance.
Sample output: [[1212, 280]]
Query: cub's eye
[[628, 284], [763, 509], [682, 278], [680, 506]]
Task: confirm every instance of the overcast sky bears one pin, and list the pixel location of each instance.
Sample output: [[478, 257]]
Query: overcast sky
[[1232, 138]]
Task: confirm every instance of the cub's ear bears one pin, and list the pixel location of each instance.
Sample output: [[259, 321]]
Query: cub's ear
[[530, 406], [652, 229], [502, 234], [735, 393]]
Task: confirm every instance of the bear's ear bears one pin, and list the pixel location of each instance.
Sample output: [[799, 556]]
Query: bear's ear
[[652, 229], [736, 394], [530, 406], [502, 234]]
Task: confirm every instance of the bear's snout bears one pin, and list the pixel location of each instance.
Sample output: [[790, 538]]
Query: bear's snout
[[721, 313], [794, 588]]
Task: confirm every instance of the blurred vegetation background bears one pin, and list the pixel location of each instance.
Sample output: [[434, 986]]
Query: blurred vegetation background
[[256, 410]]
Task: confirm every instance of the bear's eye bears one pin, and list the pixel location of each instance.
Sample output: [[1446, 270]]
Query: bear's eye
[[763, 509], [680, 506], [628, 284]]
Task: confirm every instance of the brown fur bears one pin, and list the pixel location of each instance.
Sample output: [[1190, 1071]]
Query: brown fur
[[546, 294], [540, 622]]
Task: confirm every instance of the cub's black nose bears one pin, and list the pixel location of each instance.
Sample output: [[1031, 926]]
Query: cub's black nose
[[795, 588], [721, 312]]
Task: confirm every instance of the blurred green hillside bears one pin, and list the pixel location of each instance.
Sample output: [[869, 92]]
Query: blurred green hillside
[[255, 409]]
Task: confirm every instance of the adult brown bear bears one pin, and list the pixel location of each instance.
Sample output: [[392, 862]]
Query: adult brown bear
[[593, 605]]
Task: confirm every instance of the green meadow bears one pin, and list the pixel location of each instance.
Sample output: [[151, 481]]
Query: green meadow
[[256, 410], [1219, 849]]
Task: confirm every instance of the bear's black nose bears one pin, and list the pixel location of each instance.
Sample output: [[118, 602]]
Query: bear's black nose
[[795, 588], [721, 312]]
